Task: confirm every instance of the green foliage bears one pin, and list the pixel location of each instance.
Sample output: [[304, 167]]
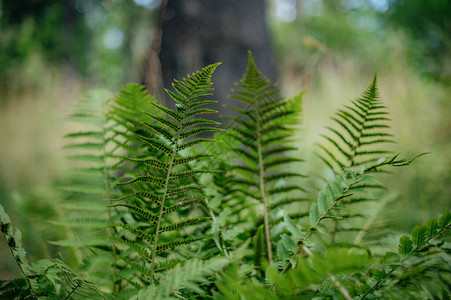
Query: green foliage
[[45, 278], [261, 136], [186, 278], [157, 209], [171, 187], [362, 128]]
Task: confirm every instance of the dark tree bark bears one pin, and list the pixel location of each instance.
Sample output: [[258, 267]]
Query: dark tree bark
[[196, 33]]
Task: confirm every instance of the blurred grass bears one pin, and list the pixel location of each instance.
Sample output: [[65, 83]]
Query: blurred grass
[[32, 122]]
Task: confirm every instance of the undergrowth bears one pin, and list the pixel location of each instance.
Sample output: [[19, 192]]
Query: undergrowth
[[164, 203]]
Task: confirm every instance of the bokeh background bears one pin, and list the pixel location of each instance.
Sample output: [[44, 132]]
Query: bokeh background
[[52, 52]]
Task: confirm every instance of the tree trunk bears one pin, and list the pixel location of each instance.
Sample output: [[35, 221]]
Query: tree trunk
[[196, 33]]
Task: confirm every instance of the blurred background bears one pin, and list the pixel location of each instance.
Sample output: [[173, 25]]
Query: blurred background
[[53, 51]]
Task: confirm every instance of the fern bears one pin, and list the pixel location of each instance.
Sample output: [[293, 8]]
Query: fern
[[261, 135], [172, 179], [362, 130], [150, 182], [99, 147], [418, 254], [422, 271], [357, 143], [88, 185], [42, 279], [185, 277], [331, 200]]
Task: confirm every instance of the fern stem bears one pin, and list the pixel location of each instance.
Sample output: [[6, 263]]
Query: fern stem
[[21, 269], [334, 232], [377, 283], [264, 197], [171, 164]]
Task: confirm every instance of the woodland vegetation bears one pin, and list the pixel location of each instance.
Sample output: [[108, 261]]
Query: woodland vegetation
[[161, 210], [223, 184]]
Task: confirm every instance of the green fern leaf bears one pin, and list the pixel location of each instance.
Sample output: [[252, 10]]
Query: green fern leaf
[[322, 202], [185, 204], [196, 131], [362, 128], [260, 135], [152, 197], [419, 235], [156, 144], [142, 234], [314, 214], [167, 134], [188, 159], [155, 180], [174, 115], [169, 245], [153, 162], [444, 219], [195, 142], [405, 245], [148, 215], [170, 124], [432, 226], [198, 121], [179, 225], [167, 174]]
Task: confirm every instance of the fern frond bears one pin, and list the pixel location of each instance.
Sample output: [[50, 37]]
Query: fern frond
[[169, 245], [184, 204], [166, 176], [152, 179], [418, 244], [42, 279], [362, 131], [183, 224], [146, 214], [185, 277], [152, 197], [261, 133], [139, 232], [191, 158], [195, 142]]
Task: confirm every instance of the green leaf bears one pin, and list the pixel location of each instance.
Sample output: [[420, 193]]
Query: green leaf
[[431, 228], [444, 219], [419, 235], [329, 194], [152, 179], [169, 123], [322, 202], [292, 227], [175, 115], [176, 97], [182, 224], [314, 217], [156, 144], [172, 244], [139, 232], [405, 245], [148, 215]]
